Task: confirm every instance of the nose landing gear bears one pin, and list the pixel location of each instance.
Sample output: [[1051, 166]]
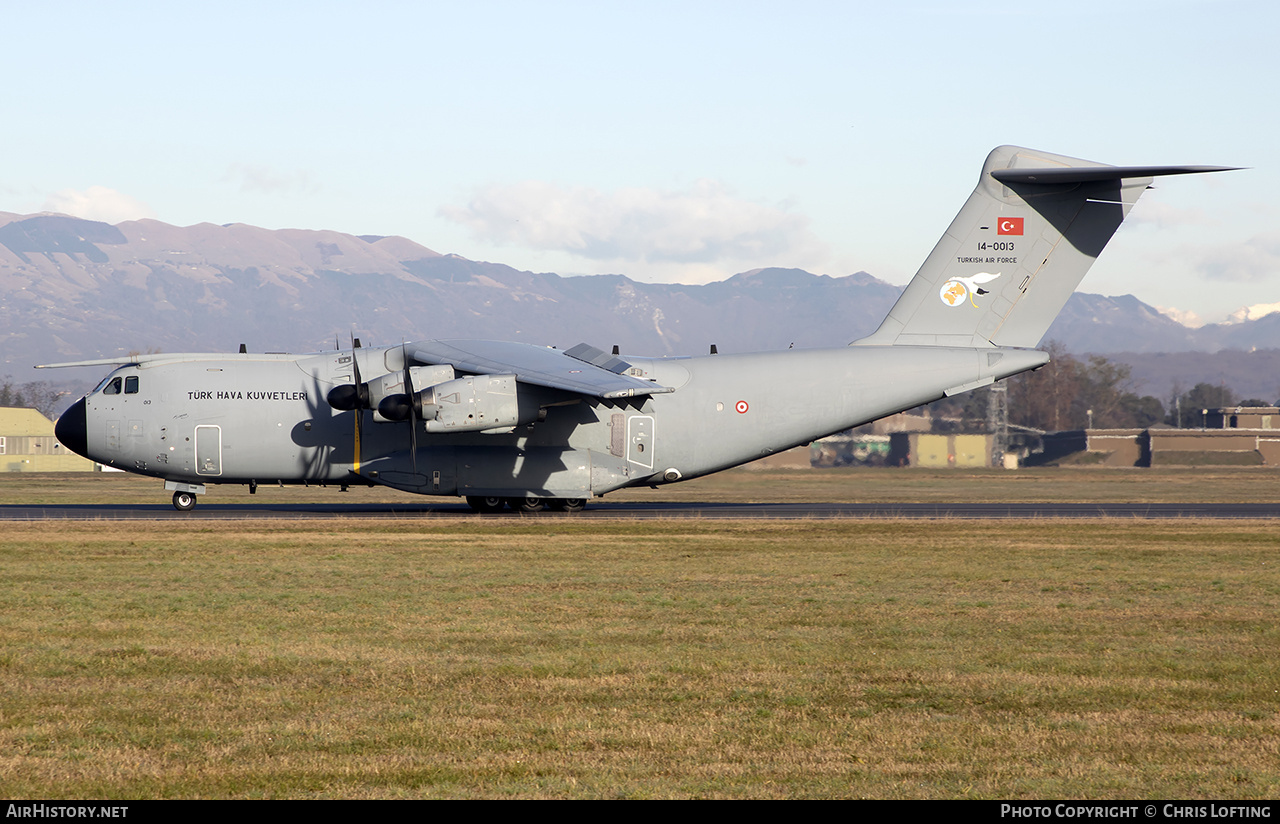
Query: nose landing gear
[[184, 494]]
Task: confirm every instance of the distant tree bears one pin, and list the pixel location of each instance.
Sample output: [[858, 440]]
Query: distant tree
[[1049, 398], [1143, 411], [35, 395], [40, 395], [1253, 402], [10, 395], [1062, 394], [1193, 402], [974, 407], [1105, 394], [966, 412]]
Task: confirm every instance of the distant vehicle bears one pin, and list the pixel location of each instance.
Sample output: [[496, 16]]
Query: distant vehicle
[[511, 424]]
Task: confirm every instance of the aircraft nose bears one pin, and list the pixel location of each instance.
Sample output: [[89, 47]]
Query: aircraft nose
[[72, 429]]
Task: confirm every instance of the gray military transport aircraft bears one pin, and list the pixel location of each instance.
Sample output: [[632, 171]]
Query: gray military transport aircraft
[[530, 427]]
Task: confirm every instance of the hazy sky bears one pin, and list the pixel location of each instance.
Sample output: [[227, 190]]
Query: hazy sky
[[664, 141]]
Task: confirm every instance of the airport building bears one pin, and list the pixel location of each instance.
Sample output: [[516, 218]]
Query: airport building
[[1231, 436], [27, 444], [1243, 417]]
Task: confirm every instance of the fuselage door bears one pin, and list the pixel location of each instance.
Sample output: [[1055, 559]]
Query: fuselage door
[[208, 450], [640, 440]]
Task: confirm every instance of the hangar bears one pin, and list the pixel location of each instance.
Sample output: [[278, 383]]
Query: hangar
[[27, 444]]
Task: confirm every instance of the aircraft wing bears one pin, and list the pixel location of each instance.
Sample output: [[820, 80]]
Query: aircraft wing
[[582, 369]]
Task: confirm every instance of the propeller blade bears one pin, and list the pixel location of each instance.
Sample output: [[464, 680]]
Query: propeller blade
[[361, 402], [350, 396], [413, 410]]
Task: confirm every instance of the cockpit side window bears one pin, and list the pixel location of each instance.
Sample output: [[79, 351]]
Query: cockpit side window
[[112, 387], [131, 385]]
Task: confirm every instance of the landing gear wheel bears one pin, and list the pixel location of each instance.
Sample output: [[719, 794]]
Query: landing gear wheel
[[568, 504], [486, 505], [184, 501], [528, 503]]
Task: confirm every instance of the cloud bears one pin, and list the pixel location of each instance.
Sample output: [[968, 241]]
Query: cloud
[[1187, 318], [1256, 259], [705, 224], [265, 180], [1162, 215], [97, 203]]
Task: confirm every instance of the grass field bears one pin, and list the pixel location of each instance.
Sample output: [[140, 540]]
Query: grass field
[[470, 657]]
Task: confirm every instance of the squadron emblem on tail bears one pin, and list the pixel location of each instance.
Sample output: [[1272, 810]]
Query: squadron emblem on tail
[[954, 291]]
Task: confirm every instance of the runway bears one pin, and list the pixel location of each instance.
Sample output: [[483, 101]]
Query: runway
[[648, 511]]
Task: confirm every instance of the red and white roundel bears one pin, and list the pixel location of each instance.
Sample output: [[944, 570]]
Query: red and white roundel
[[742, 407]]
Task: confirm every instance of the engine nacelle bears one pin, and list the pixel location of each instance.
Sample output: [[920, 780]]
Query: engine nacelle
[[386, 393], [478, 403]]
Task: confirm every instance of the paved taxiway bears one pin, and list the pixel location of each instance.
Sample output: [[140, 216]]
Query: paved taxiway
[[606, 511]]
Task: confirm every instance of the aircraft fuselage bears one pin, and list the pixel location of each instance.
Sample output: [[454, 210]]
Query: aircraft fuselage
[[264, 419]]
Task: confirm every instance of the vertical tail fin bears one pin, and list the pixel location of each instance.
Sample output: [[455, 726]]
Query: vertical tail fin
[[1017, 250]]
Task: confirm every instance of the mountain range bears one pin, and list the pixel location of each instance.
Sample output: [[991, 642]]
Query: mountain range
[[74, 289]]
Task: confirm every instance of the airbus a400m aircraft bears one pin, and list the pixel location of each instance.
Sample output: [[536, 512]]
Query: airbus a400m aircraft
[[512, 424]]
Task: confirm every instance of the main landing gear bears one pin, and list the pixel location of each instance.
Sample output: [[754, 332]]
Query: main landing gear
[[486, 505], [184, 501]]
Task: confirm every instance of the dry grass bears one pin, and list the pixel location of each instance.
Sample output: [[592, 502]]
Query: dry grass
[[470, 657]]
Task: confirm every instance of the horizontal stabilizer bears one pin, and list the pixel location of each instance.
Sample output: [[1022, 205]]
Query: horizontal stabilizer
[[1058, 176]]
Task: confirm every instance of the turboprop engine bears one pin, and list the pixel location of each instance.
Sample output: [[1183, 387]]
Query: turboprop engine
[[479, 403], [384, 388]]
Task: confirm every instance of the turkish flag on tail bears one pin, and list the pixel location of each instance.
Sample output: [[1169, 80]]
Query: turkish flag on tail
[[1009, 226]]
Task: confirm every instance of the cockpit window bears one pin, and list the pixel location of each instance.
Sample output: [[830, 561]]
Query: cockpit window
[[131, 385], [112, 387]]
